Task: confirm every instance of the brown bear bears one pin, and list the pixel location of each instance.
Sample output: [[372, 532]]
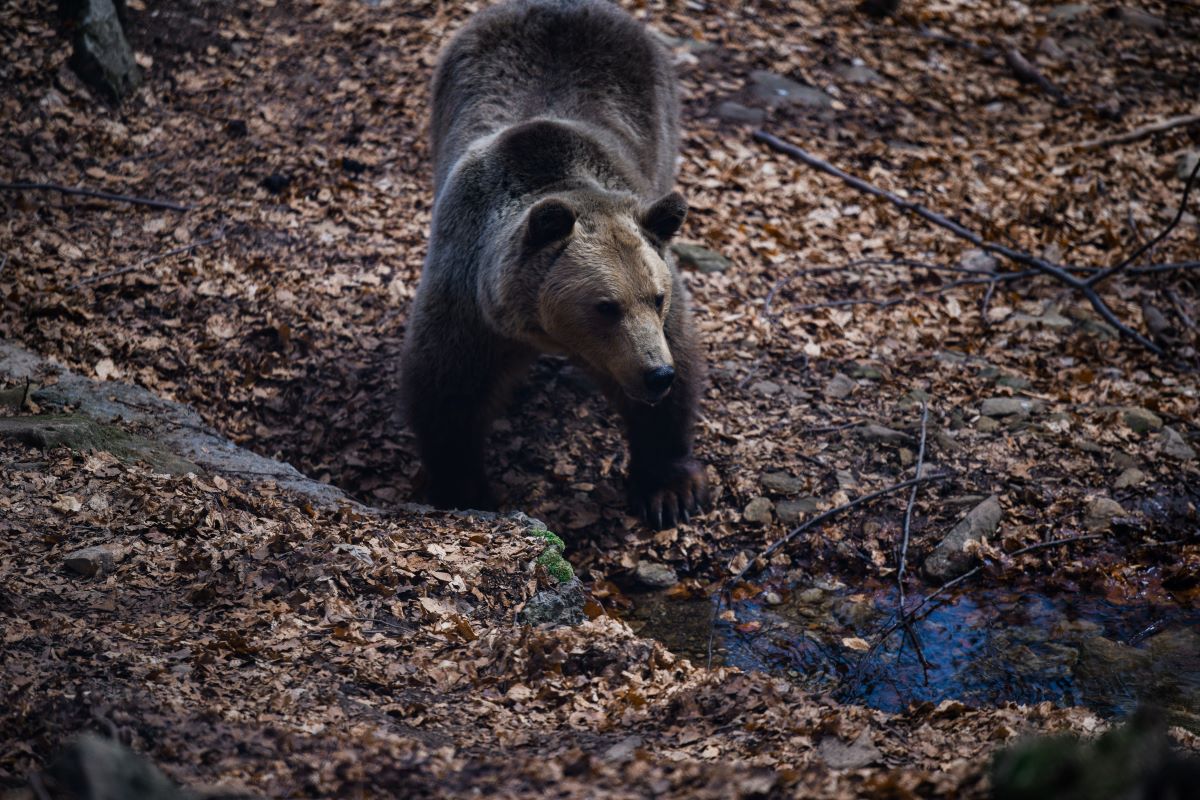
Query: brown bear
[[555, 132]]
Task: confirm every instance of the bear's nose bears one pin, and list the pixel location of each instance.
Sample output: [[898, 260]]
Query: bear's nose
[[659, 379]]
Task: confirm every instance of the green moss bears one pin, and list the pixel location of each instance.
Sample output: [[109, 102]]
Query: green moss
[[552, 557]]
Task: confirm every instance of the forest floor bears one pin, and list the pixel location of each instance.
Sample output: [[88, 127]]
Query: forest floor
[[248, 638]]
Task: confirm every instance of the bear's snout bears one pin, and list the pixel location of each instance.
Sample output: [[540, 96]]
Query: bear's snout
[[658, 380]]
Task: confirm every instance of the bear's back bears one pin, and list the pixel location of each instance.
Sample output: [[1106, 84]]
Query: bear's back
[[582, 61]]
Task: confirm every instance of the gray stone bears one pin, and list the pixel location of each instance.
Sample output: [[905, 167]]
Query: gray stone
[[776, 90], [860, 753], [766, 388], [979, 260], [846, 480], [1175, 446], [1048, 47], [1187, 164], [1050, 318], [1015, 382], [736, 112], [1008, 406], [1068, 11], [83, 434], [94, 562], [865, 372], [878, 434], [623, 750], [858, 73], [701, 259], [1137, 19], [1130, 477], [654, 575], [839, 387], [758, 511], [772, 598], [104, 769], [1141, 420], [782, 483], [177, 428], [1099, 512], [562, 605], [101, 56], [792, 511], [952, 556]]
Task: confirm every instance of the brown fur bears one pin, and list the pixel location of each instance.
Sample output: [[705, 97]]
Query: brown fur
[[553, 208]]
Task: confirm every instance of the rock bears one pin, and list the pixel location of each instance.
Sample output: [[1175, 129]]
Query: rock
[[655, 576], [94, 562], [880, 435], [1068, 11], [792, 511], [1008, 406], [1050, 49], [953, 555], [1015, 382], [1051, 318], [1175, 446], [1141, 420], [83, 435], [701, 259], [839, 387], [1130, 477], [562, 605], [1187, 164], [95, 767], [623, 750], [845, 480], [776, 90], [858, 73], [1100, 511], [766, 388], [782, 483], [979, 260], [1137, 19], [736, 112], [865, 372], [758, 510], [772, 598], [101, 55], [860, 753]]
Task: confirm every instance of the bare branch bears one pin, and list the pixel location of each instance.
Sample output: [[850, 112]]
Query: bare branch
[[116, 198], [1040, 264], [902, 559], [1137, 133]]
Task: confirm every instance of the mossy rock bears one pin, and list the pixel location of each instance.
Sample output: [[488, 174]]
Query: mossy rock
[[84, 434], [552, 557]]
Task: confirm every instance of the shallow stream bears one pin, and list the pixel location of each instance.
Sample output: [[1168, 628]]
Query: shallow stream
[[983, 647]]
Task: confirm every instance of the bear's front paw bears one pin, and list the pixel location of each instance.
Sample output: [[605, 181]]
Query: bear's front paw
[[670, 494]]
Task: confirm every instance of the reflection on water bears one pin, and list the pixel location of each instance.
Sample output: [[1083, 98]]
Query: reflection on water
[[981, 647]]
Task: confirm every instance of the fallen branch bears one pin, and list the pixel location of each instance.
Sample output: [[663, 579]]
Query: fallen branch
[[906, 617], [1137, 133], [819, 519], [1028, 73], [103, 276], [902, 558], [1056, 271], [116, 198]]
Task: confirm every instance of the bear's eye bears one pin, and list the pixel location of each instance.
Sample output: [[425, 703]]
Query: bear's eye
[[608, 309], [659, 299]]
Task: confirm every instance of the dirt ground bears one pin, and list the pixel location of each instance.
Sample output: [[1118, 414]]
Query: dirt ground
[[296, 134]]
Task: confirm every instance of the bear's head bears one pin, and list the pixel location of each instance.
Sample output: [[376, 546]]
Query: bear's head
[[604, 288]]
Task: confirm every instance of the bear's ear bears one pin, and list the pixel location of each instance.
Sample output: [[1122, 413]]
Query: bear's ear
[[665, 217], [549, 220]]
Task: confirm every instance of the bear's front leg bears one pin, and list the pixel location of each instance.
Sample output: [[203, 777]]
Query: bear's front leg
[[452, 384], [666, 482]]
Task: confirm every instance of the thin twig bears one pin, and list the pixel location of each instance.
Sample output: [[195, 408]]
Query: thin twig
[[116, 198], [1180, 309], [103, 276], [902, 559], [1136, 133], [1136, 254], [801, 528], [1040, 264]]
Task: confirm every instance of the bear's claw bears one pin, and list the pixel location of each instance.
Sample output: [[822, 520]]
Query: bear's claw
[[670, 495]]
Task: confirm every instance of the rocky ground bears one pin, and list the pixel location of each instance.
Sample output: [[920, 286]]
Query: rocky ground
[[245, 636]]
